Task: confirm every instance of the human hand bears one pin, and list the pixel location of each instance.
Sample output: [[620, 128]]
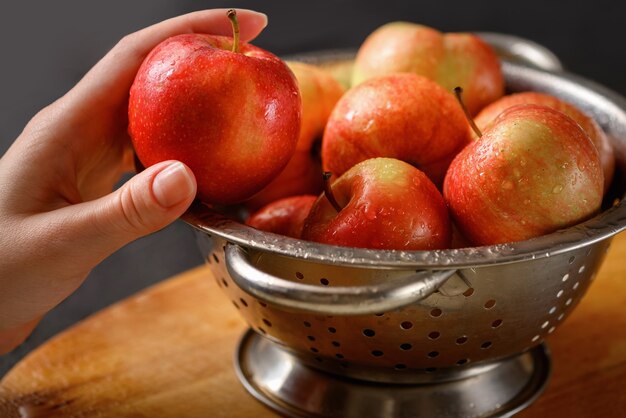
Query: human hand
[[58, 214]]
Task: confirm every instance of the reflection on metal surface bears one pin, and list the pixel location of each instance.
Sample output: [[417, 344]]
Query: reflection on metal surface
[[305, 392]]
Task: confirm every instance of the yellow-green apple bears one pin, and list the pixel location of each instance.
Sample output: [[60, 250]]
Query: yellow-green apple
[[383, 203], [534, 170], [302, 175], [596, 134], [403, 116], [229, 110], [341, 70], [452, 59], [319, 91], [284, 216]]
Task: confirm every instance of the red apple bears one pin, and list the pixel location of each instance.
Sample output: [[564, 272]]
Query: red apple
[[303, 175], [320, 91], [533, 171], [403, 116], [285, 216], [384, 203], [453, 59], [596, 134], [230, 111]]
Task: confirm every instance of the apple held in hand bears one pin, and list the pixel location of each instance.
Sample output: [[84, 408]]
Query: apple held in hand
[[596, 134], [403, 116], [230, 112], [382, 203], [533, 171], [285, 216], [453, 59]]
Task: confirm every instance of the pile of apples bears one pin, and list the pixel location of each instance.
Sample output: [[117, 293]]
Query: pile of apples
[[387, 158]]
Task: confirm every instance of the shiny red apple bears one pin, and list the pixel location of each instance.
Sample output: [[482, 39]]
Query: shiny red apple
[[284, 216], [403, 116], [383, 203], [230, 111], [596, 134], [533, 171], [452, 59]]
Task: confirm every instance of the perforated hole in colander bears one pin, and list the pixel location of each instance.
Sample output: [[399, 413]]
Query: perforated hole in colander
[[406, 325], [216, 258], [369, 332], [490, 304], [324, 281], [469, 292], [496, 323], [435, 313], [434, 335]]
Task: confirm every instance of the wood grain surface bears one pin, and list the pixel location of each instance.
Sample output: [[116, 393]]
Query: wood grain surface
[[168, 351]]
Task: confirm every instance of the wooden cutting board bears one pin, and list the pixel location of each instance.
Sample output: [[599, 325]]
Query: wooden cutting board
[[168, 351]]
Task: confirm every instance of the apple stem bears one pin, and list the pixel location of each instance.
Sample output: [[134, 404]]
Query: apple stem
[[328, 191], [232, 15], [458, 92]]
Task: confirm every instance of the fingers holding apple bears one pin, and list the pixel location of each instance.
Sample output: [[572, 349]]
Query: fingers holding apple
[[230, 111], [533, 171]]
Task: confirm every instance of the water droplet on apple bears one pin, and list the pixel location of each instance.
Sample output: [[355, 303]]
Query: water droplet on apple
[[522, 162], [507, 185], [557, 189]]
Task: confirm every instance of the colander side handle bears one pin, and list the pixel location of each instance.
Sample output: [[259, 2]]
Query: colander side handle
[[345, 300]]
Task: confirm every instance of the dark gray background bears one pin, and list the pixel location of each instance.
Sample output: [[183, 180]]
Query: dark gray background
[[46, 46]]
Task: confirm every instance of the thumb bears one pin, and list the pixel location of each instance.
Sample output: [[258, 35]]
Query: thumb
[[146, 203]]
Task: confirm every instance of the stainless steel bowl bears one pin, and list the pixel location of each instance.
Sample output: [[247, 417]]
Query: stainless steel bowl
[[428, 321]]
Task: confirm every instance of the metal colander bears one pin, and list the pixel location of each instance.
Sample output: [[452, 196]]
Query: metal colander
[[420, 316]]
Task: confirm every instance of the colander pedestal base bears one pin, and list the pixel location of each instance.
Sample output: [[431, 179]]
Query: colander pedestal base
[[279, 380]]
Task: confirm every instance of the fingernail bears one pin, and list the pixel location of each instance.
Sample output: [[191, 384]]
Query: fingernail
[[173, 185], [264, 17]]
